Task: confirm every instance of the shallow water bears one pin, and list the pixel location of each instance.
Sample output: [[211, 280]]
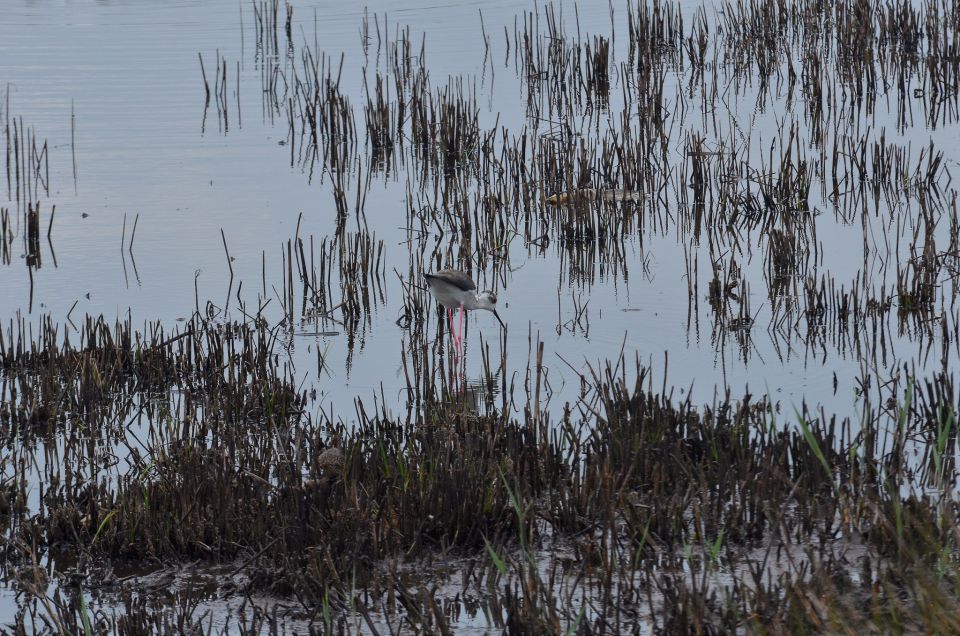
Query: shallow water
[[146, 148], [130, 73]]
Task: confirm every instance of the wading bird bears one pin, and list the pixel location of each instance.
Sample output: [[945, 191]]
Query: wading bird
[[455, 289]]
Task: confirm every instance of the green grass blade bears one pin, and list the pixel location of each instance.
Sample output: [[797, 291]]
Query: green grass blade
[[497, 561], [103, 524], [815, 447]]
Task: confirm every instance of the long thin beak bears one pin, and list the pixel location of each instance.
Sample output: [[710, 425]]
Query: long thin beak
[[498, 319]]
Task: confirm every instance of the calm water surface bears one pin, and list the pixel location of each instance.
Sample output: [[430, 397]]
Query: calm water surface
[[130, 72]]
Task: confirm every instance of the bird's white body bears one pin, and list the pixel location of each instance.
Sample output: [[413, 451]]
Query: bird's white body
[[455, 289], [453, 297]]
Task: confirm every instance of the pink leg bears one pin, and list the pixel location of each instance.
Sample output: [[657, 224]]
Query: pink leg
[[460, 328], [453, 327]]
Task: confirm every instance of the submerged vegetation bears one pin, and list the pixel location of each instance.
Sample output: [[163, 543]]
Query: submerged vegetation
[[192, 480]]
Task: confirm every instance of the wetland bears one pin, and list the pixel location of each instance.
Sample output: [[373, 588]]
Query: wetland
[[725, 243]]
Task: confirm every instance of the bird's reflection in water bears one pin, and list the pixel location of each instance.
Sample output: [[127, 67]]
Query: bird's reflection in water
[[477, 396]]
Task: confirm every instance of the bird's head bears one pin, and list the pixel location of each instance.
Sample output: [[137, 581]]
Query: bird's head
[[488, 300]]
